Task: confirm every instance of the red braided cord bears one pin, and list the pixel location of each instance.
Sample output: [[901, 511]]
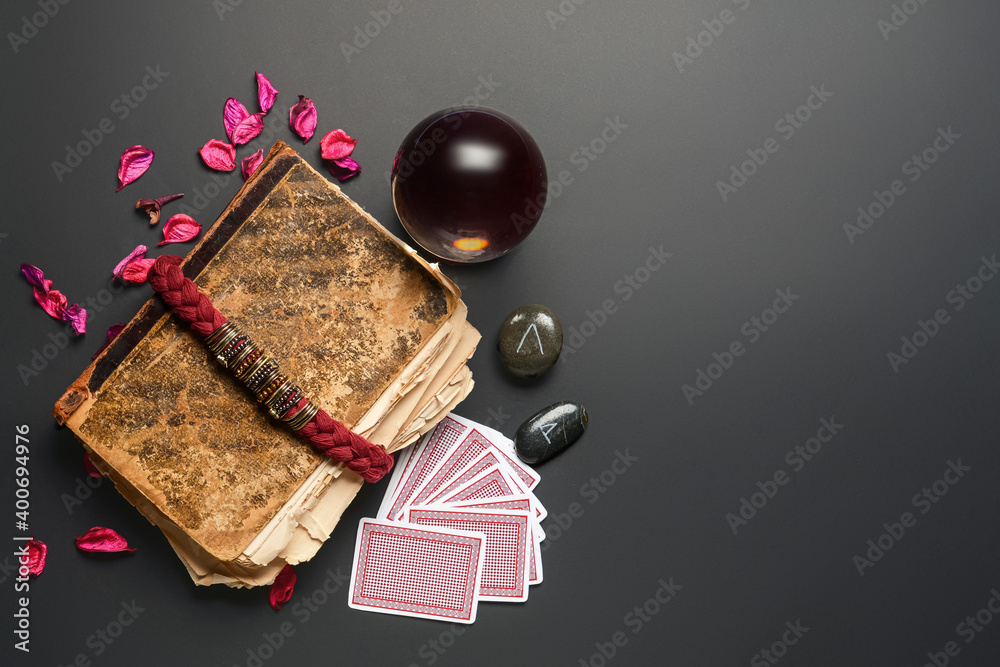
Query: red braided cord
[[323, 431]]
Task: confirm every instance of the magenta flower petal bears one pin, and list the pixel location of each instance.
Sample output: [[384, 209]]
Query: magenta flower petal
[[344, 168], [138, 253], [282, 588], [134, 163], [232, 115], [266, 93], [112, 334], [90, 467], [219, 155], [76, 316], [248, 128], [100, 539], [302, 118], [336, 145], [153, 206], [138, 271], [251, 162], [179, 228], [37, 551], [52, 302], [35, 277]]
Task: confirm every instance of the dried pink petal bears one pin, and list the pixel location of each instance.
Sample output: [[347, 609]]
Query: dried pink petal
[[251, 162], [100, 539], [153, 206], [138, 253], [344, 168], [249, 128], [35, 277], [90, 467], [302, 118], [232, 115], [219, 155], [134, 163], [52, 302], [180, 228], [112, 334], [282, 588], [138, 271], [336, 145], [37, 551], [266, 93], [76, 316]]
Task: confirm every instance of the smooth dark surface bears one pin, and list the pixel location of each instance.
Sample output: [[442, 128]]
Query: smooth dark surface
[[655, 277], [530, 340], [550, 431], [469, 184]]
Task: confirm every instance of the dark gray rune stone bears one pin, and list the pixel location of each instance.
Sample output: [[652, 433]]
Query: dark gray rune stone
[[549, 431], [531, 339]]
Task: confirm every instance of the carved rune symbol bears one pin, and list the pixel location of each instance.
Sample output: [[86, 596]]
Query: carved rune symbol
[[546, 429], [531, 327]]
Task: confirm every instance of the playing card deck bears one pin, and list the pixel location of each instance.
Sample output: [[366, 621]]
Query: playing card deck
[[458, 524]]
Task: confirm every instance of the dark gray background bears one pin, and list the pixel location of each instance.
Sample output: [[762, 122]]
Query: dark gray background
[[654, 185]]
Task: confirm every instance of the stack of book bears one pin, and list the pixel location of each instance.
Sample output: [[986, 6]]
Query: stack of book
[[371, 332]]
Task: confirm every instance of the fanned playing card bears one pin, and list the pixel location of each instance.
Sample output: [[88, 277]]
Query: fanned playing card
[[505, 446], [522, 503], [426, 455], [507, 552], [427, 572], [486, 461], [490, 483], [473, 445]]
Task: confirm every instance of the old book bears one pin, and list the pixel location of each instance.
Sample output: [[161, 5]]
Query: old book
[[374, 334]]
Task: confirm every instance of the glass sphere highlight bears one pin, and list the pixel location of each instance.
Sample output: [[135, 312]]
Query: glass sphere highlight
[[468, 184]]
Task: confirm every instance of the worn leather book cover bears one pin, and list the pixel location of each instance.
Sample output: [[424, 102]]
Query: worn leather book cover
[[349, 311]]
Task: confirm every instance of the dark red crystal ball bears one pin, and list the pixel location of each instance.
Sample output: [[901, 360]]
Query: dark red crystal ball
[[469, 184]]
